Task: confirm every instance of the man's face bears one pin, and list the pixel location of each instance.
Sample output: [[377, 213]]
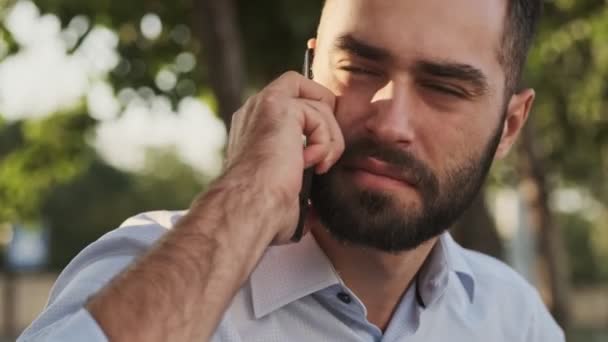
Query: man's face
[[421, 106]]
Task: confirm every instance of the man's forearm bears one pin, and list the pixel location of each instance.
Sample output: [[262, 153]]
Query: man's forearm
[[180, 289]]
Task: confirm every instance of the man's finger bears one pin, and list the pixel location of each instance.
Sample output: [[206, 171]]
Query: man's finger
[[336, 136], [298, 86]]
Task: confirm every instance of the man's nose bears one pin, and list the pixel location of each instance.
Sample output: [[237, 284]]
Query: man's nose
[[393, 118]]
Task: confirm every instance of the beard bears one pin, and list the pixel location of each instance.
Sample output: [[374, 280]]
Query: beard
[[378, 219]]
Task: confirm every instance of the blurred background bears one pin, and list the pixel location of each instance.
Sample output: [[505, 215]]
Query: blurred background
[[110, 108]]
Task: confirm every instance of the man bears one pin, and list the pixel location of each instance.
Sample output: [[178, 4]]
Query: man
[[411, 101]]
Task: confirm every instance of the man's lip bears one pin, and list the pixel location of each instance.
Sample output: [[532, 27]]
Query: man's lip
[[380, 168]]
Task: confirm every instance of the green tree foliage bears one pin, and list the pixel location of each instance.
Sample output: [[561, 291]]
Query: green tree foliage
[[101, 198], [569, 69], [142, 57], [274, 35], [36, 156]]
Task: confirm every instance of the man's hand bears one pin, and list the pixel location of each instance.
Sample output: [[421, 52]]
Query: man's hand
[[180, 289], [266, 144]]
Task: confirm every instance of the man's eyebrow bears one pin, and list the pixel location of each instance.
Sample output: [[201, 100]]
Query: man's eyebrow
[[457, 71], [359, 48]]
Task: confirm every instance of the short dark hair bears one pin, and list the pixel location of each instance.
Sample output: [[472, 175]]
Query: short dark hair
[[521, 23]]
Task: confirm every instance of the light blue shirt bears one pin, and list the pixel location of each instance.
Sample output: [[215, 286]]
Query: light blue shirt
[[294, 294]]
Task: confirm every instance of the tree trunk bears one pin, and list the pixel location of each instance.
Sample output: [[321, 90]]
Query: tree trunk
[[552, 262], [9, 311], [216, 23], [476, 229]]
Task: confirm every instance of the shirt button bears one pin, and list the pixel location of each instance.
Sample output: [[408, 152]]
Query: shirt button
[[345, 298]]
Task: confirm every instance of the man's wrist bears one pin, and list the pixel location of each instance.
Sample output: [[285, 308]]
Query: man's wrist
[[242, 216]]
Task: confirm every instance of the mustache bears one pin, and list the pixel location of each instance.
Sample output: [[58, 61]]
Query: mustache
[[400, 159]]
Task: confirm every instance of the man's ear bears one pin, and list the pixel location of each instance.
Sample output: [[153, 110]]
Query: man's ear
[[518, 111]]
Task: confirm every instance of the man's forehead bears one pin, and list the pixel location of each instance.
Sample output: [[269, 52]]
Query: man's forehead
[[466, 29], [378, 11]]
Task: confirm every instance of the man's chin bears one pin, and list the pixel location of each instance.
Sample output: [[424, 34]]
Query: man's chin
[[398, 206]]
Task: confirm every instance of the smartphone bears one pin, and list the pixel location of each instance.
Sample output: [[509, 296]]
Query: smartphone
[[308, 173]]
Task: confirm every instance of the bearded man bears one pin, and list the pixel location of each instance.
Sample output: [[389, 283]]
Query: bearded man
[[410, 103]]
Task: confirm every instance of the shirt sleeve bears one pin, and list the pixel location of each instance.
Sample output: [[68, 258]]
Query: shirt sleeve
[[72, 328], [543, 327], [65, 318]]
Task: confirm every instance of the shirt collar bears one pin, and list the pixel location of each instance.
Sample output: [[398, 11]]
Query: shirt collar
[[291, 272], [288, 273], [446, 257]]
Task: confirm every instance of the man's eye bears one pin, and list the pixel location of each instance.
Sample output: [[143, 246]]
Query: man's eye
[[359, 71], [446, 90]]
